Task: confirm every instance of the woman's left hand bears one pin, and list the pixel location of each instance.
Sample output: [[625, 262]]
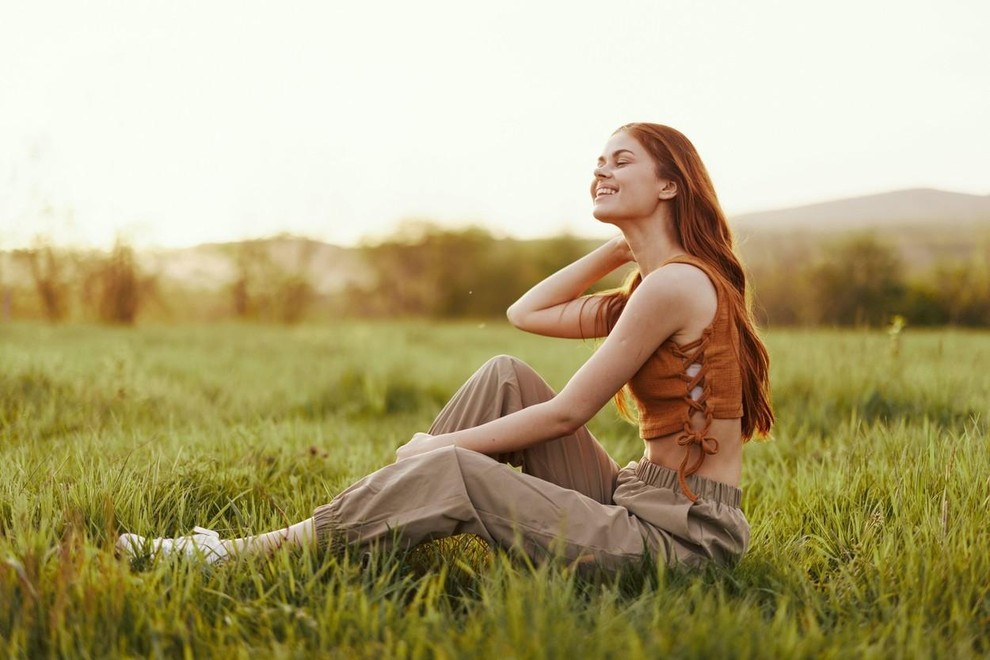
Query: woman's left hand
[[419, 444]]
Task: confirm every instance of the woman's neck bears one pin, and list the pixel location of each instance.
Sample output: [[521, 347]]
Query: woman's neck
[[652, 241]]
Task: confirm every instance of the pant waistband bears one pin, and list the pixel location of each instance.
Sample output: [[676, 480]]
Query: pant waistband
[[709, 489]]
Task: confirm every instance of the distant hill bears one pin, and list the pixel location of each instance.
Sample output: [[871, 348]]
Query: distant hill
[[925, 226], [214, 266], [918, 207]]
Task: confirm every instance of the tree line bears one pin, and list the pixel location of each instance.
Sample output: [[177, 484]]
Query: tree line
[[857, 279], [427, 271], [862, 279]]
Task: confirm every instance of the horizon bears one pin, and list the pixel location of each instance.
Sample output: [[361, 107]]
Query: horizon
[[749, 228], [399, 225], [340, 123]]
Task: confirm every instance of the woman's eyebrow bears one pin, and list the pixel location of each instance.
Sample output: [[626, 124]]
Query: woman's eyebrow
[[615, 154]]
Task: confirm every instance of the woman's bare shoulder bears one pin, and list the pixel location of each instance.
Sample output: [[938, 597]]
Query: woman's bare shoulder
[[684, 281]]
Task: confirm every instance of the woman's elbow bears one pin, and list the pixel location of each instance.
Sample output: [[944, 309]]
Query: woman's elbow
[[567, 421]]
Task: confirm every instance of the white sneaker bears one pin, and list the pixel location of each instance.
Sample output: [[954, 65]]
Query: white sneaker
[[203, 544]]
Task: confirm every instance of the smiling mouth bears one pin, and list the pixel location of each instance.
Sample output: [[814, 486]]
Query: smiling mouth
[[604, 192]]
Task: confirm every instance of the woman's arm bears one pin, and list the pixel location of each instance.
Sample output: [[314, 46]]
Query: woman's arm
[[636, 336], [555, 306]]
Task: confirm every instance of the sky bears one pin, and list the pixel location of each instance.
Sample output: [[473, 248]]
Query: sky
[[176, 123]]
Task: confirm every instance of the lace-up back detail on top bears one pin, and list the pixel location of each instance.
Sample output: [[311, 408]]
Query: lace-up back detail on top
[[679, 380]]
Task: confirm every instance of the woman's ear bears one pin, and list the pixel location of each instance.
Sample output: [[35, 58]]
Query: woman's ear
[[668, 189]]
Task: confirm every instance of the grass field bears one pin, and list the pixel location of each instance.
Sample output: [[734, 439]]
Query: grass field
[[869, 508]]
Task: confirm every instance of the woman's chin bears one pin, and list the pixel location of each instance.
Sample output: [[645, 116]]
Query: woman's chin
[[601, 215]]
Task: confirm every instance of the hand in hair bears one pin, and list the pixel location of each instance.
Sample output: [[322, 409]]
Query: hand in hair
[[621, 249]]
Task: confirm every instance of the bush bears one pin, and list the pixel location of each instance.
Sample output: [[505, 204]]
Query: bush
[[860, 283], [48, 272]]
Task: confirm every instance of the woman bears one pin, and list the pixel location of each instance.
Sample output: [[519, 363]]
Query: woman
[[680, 343]]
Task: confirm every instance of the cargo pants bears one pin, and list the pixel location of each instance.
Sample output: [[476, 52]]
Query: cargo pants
[[570, 500]]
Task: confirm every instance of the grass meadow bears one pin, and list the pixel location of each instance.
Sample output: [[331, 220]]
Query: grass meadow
[[869, 507]]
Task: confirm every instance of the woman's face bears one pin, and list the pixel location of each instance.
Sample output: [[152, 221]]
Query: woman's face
[[626, 185]]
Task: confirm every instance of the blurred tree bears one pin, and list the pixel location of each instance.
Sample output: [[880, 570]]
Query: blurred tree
[[5, 293], [244, 259], [783, 285], [443, 273], [271, 278], [924, 305], [118, 286], [48, 272], [295, 294], [860, 282], [964, 286], [426, 270]]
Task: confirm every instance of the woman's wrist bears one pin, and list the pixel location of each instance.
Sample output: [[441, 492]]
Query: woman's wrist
[[442, 440]]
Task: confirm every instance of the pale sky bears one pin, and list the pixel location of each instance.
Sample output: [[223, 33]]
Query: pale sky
[[184, 122]]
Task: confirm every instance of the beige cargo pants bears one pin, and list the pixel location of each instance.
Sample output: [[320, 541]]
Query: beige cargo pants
[[571, 500]]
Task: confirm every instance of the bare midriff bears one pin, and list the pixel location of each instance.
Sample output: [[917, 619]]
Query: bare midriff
[[724, 466]]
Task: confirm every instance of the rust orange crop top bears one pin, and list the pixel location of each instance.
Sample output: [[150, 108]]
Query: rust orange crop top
[[662, 388]]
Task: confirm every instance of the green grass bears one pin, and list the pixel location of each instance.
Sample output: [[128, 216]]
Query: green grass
[[869, 508]]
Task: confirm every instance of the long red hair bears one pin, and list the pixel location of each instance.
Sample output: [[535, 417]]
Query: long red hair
[[704, 233]]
